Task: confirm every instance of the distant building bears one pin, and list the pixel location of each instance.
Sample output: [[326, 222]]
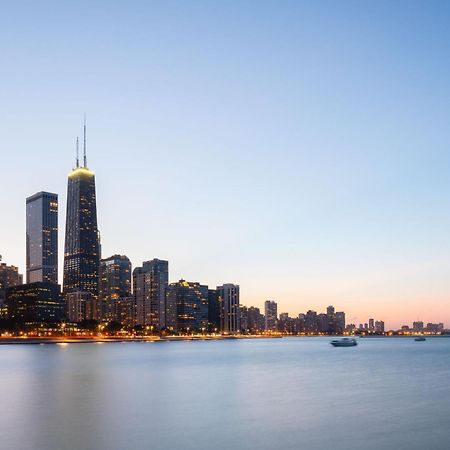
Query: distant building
[[270, 312], [323, 322], [125, 311], [82, 243], [229, 308], [418, 326], [379, 326], [213, 310], [114, 283], [82, 306], [35, 303], [371, 325], [191, 304], [254, 319], [288, 324], [9, 277], [244, 318], [301, 319], [42, 237], [311, 322], [435, 327], [149, 289], [340, 322]]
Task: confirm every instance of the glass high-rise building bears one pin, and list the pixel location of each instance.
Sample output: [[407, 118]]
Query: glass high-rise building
[[39, 302], [149, 289], [270, 313], [114, 284], [190, 301], [42, 237], [82, 244]]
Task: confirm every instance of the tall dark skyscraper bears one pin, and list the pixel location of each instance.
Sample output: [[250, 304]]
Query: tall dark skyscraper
[[42, 238], [82, 245]]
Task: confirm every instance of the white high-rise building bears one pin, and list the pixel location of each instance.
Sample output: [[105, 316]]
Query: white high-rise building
[[229, 308]]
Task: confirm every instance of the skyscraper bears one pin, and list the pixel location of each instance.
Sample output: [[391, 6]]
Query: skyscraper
[[42, 237], [39, 302], [114, 283], [82, 306], [9, 277], [213, 310], [340, 322], [270, 312], [149, 289], [253, 319], [229, 308], [191, 303], [82, 245]]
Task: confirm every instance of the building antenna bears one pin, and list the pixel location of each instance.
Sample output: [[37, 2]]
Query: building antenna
[[84, 142], [78, 158]]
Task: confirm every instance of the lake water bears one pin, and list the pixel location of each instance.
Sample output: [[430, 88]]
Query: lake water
[[291, 393]]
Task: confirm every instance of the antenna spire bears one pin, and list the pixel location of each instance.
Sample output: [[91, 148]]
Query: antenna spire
[[84, 142], [78, 157]]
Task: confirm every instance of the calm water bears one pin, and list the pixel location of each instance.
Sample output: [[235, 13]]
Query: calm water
[[294, 393]]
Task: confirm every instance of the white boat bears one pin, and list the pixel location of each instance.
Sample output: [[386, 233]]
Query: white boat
[[344, 342]]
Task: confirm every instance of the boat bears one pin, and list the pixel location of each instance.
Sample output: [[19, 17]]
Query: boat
[[420, 339], [344, 342]]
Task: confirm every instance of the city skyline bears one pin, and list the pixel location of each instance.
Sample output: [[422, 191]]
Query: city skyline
[[333, 169], [83, 167]]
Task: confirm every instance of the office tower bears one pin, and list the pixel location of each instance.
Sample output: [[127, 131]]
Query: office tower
[[371, 325], [311, 322], [82, 244], [9, 277], [435, 327], [330, 311], [125, 312], [379, 326], [191, 303], [284, 323], [114, 283], [213, 310], [270, 312], [253, 319], [149, 289], [301, 320], [340, 322], [418, 326], [32, 303], [82, 306], [243, 319], [229, 308], [323, 324], [42, 237]]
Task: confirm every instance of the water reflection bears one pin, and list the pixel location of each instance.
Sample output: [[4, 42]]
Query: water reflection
[[282, 393]]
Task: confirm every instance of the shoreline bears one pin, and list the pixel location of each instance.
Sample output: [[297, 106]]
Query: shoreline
[[53, 340], [111, 339]]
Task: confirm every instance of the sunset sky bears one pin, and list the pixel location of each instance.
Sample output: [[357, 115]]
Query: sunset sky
[[299, 149]]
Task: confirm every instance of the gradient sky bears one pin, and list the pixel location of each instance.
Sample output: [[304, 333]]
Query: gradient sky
[[299, 149]]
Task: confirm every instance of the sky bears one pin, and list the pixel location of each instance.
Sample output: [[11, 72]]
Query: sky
[[297, 148]]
